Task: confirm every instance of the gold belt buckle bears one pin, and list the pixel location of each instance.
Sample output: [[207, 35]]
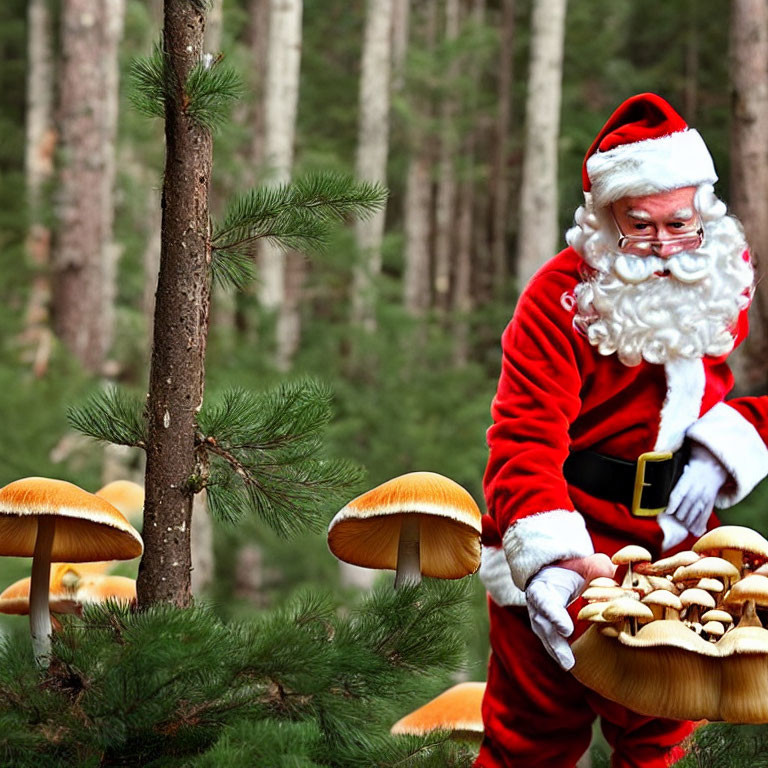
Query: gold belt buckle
[[640, 483]]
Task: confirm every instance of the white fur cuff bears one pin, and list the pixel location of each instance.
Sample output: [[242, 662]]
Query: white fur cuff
[[538, 540], [680, 159], [735, 442], [497, 578]]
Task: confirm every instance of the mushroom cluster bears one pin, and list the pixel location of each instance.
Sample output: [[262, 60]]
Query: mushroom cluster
[[682, 637], [53, 521]]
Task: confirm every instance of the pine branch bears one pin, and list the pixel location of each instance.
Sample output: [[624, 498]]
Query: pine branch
[[210, 91], [263, 454], [112, 416], [295, 216], [206, 97]]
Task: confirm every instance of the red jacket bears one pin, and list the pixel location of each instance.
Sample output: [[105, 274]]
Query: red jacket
[[558, 393]]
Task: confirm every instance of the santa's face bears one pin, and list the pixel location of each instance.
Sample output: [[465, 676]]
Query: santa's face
[[674, 299], [662, 224]]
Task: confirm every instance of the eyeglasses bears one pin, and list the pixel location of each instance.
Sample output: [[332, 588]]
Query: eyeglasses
[[690, 238]]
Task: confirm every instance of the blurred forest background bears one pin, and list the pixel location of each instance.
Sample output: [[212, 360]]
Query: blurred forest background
[[474, 113]]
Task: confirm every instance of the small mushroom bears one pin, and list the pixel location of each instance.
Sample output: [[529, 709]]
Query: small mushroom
[[54, 520], [707, 568], [419, 523], [717, 614], [457, 710], [605, 594], [628, 611], [749, 592], [669, 565], [664, 604], [628, 556], [694, 600], [714, 630]]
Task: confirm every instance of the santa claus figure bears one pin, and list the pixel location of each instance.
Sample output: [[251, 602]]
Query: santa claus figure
[[614, 377]]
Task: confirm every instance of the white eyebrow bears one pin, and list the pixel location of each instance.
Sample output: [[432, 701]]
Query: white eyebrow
[[639, 214], [683, 213]]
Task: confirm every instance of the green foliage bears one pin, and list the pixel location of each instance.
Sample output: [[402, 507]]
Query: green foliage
[[206, 97], [721, 745], [299, 215], [265, 456], [170, 687], [111, 415]]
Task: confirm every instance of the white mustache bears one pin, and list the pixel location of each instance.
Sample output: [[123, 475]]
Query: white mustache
[[686, 266]]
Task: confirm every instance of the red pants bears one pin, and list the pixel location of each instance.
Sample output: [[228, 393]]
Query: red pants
[[537, 715]]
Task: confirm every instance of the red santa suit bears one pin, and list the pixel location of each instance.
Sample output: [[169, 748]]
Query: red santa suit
[[558, 394]]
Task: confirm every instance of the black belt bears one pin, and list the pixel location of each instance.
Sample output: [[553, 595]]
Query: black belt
[[643, 486]]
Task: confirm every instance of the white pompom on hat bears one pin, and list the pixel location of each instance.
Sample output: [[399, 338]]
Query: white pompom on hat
[[644, 148]]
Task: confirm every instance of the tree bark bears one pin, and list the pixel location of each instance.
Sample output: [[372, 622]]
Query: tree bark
[[372, 146], [38, 162], [281, 103], [418, 188], [445, 207], [177, 372], [749, 169], [79, 271], [400, 18], [538, 230], [499, 185]]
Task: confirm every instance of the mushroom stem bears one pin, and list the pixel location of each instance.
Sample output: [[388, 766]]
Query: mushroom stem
[[39, 614], [409, 552]]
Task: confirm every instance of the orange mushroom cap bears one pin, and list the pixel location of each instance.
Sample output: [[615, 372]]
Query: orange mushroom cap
[[457, 709], [366, 531]]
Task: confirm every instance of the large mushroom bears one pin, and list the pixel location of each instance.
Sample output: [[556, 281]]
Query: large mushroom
[[737, 544], [457, 710], [55, 520], [419, 523]]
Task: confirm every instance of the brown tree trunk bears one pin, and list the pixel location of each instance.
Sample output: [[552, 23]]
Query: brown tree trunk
[[418, 189], [40, 145], [176, 379], [749, 170], [499, 185], [538, 227], [372, 146], [78, 293], [400, 17]]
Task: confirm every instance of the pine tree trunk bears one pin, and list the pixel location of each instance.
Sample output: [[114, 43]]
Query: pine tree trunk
[[445, 207], [181, 318], [281, 103], [78, 260], [691, 95], [539, 232], [40, 145], [372, 146], [499, 184], [749, 169], [418, 189]]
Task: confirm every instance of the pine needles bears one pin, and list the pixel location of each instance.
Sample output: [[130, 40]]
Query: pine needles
[[301, 686], [296, 216], [205, 97], [112, 416], [264, 454]]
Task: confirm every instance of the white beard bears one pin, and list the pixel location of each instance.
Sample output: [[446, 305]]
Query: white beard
[[622, 306]]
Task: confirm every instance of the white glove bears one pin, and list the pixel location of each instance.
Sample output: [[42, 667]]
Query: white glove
[[693, 497], [547, 595]]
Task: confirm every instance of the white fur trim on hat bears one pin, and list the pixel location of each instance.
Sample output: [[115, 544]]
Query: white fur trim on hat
[[497, 578], [737, 445], [679, 159], [538, 540]]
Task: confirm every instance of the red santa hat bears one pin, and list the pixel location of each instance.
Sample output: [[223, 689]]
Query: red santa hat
[[644, 148]]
